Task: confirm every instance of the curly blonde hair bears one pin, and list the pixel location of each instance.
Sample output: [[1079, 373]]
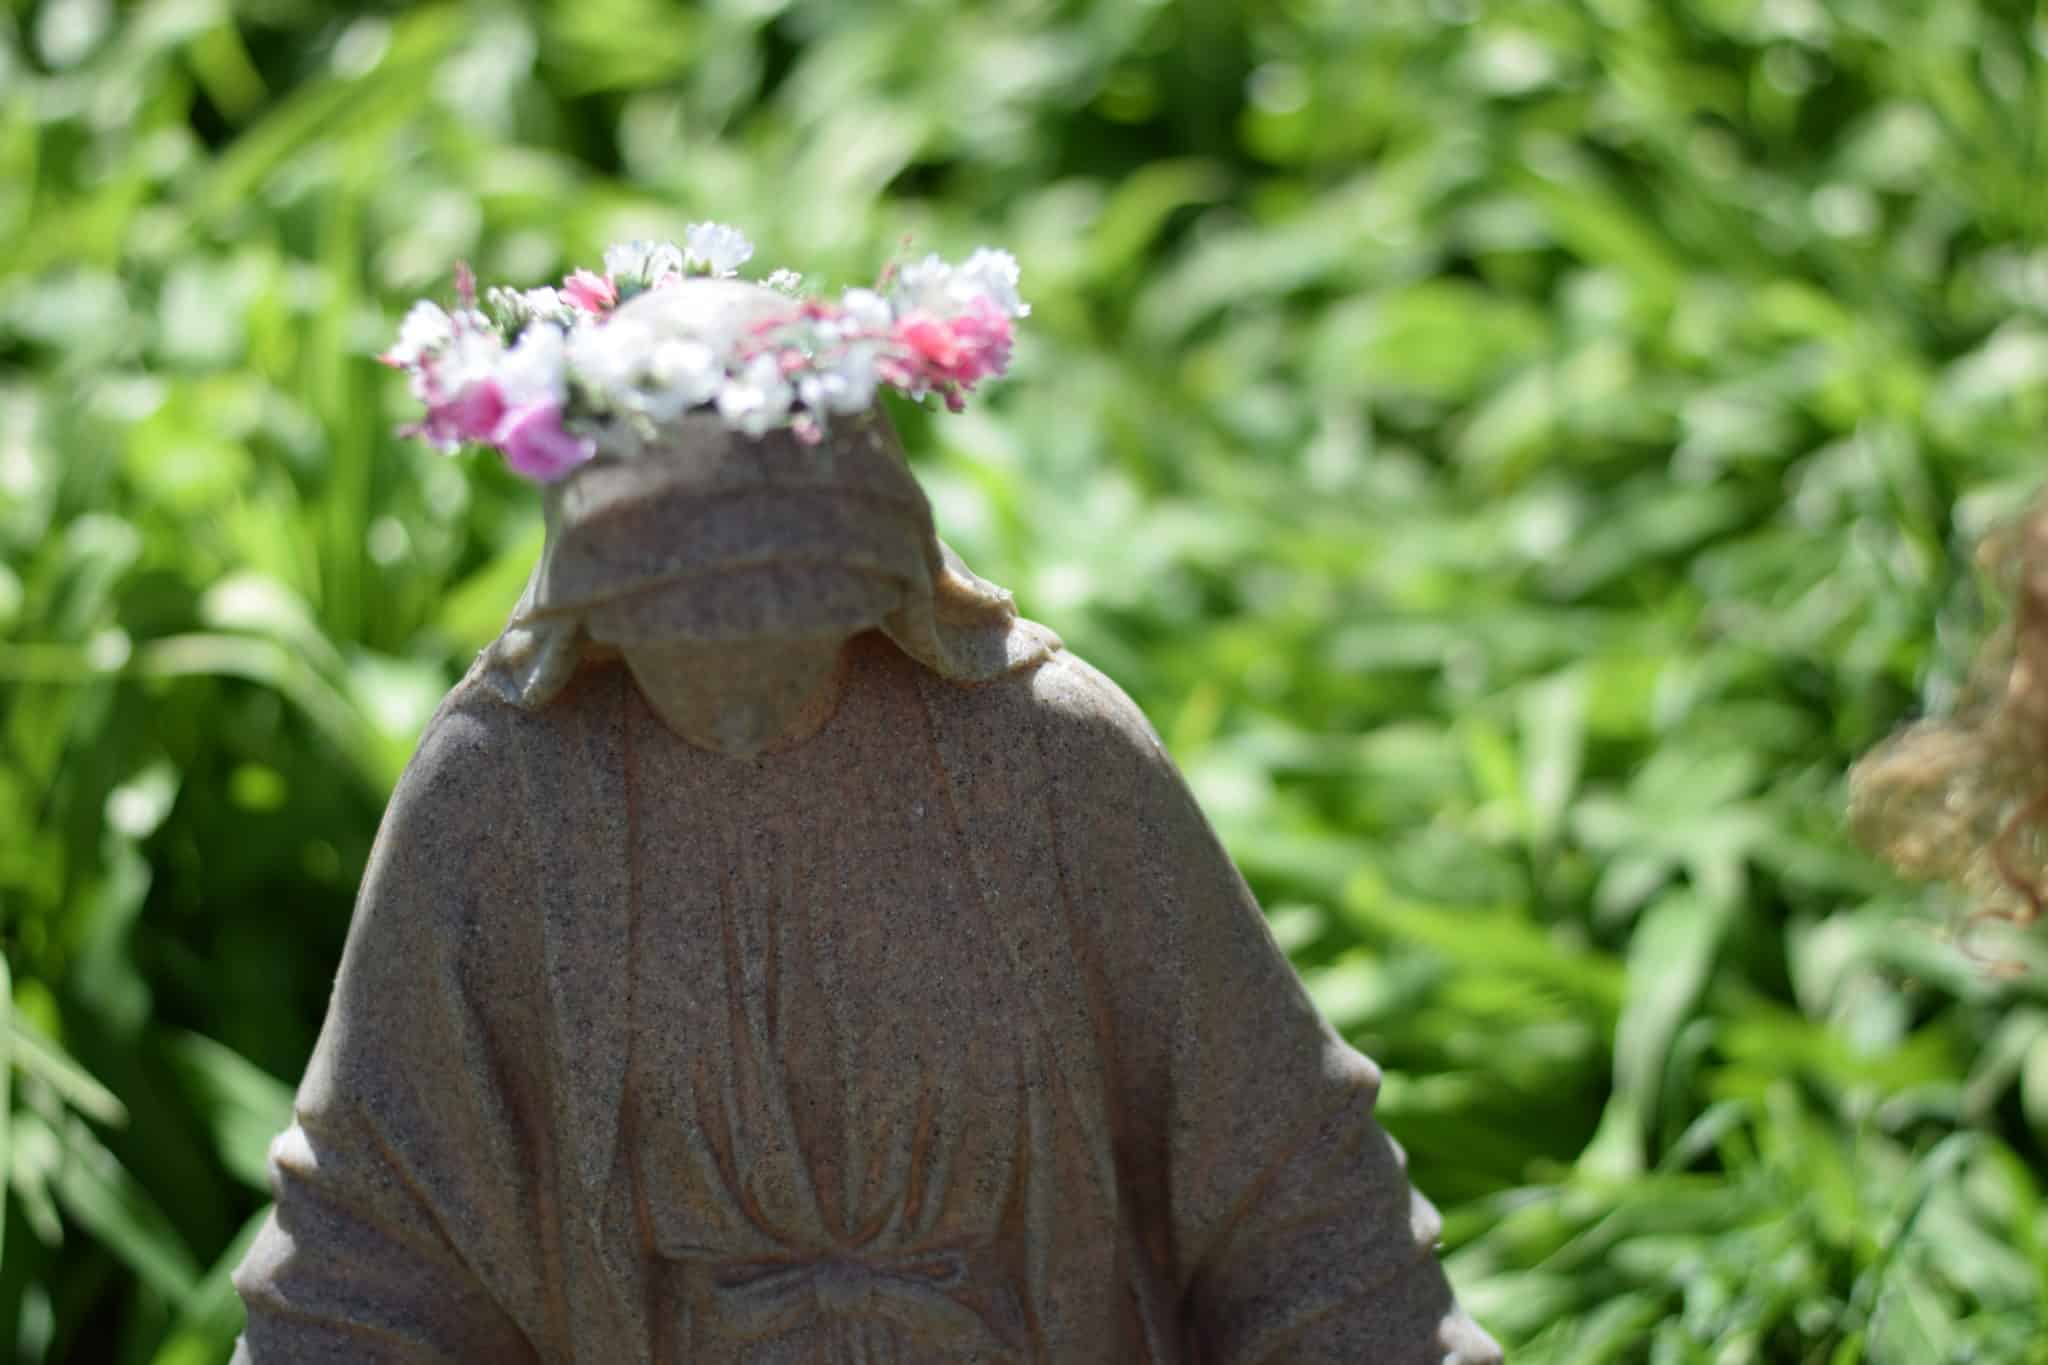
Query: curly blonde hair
[[1964, 798]]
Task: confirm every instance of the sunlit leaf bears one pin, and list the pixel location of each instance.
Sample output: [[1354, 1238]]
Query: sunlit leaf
[[46, 1061]]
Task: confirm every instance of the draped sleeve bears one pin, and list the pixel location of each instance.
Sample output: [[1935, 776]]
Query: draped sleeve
[[1276, 1210], [412, 1187]]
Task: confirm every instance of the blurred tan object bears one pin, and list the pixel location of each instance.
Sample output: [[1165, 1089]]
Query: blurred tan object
[[778, 950], [1964, 797]]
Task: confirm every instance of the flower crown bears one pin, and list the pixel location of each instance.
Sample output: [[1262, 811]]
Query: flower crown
[[551, 377]]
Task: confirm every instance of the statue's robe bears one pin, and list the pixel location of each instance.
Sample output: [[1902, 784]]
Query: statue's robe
[[948, 1034]]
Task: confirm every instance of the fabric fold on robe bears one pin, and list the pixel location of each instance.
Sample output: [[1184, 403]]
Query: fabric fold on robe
[[457, 1186]]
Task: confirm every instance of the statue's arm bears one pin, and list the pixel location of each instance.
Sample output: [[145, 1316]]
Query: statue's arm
[[407, 1226], [1280, 1210]]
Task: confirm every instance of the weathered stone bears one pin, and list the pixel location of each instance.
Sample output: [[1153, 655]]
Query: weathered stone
[[779, 951]]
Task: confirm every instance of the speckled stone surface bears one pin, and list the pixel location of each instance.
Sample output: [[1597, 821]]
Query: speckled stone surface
[[944, 1032]]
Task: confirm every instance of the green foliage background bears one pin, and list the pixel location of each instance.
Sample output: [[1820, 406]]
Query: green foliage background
[[1518, 453]]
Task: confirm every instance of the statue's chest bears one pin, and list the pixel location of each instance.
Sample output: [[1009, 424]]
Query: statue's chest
[[821, 956], [828, 1044]]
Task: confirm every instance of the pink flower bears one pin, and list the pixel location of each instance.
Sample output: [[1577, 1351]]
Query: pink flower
[[471, 415], [592, 293], [959, 350], [897, 373], [535, 445], [933, 352], [984, 336]]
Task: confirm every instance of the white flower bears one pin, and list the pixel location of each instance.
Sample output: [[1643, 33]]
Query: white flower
[[610, 356], [546, 304], [719, 249], [626, 260], [757, 398], [868, 310], [473, 356], [642, 263], [993, 275], [784, 281], [534, 370], [723, 317], [846, 385], [427, 328], [946, 291], [681, 374], [922, 287]]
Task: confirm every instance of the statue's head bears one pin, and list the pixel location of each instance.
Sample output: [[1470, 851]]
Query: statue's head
[[752, 557], [726, 504]]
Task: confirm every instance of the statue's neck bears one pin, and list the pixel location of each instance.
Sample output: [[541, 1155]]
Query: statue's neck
[[741, 698]]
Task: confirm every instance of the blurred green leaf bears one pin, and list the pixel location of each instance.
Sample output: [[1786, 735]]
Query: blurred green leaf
[[39, 1057], [243, 1105], [98, 1191], [211, 1316], [6, 1093]]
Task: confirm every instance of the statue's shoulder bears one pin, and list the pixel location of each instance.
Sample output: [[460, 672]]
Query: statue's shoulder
[[1086, 716], [471, 729], [480, 747], [1086, 730]]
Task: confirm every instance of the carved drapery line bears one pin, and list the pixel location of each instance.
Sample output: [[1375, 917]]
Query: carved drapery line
[[923, 1292]]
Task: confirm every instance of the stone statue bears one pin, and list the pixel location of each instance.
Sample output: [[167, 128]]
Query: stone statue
[[778, 950]]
